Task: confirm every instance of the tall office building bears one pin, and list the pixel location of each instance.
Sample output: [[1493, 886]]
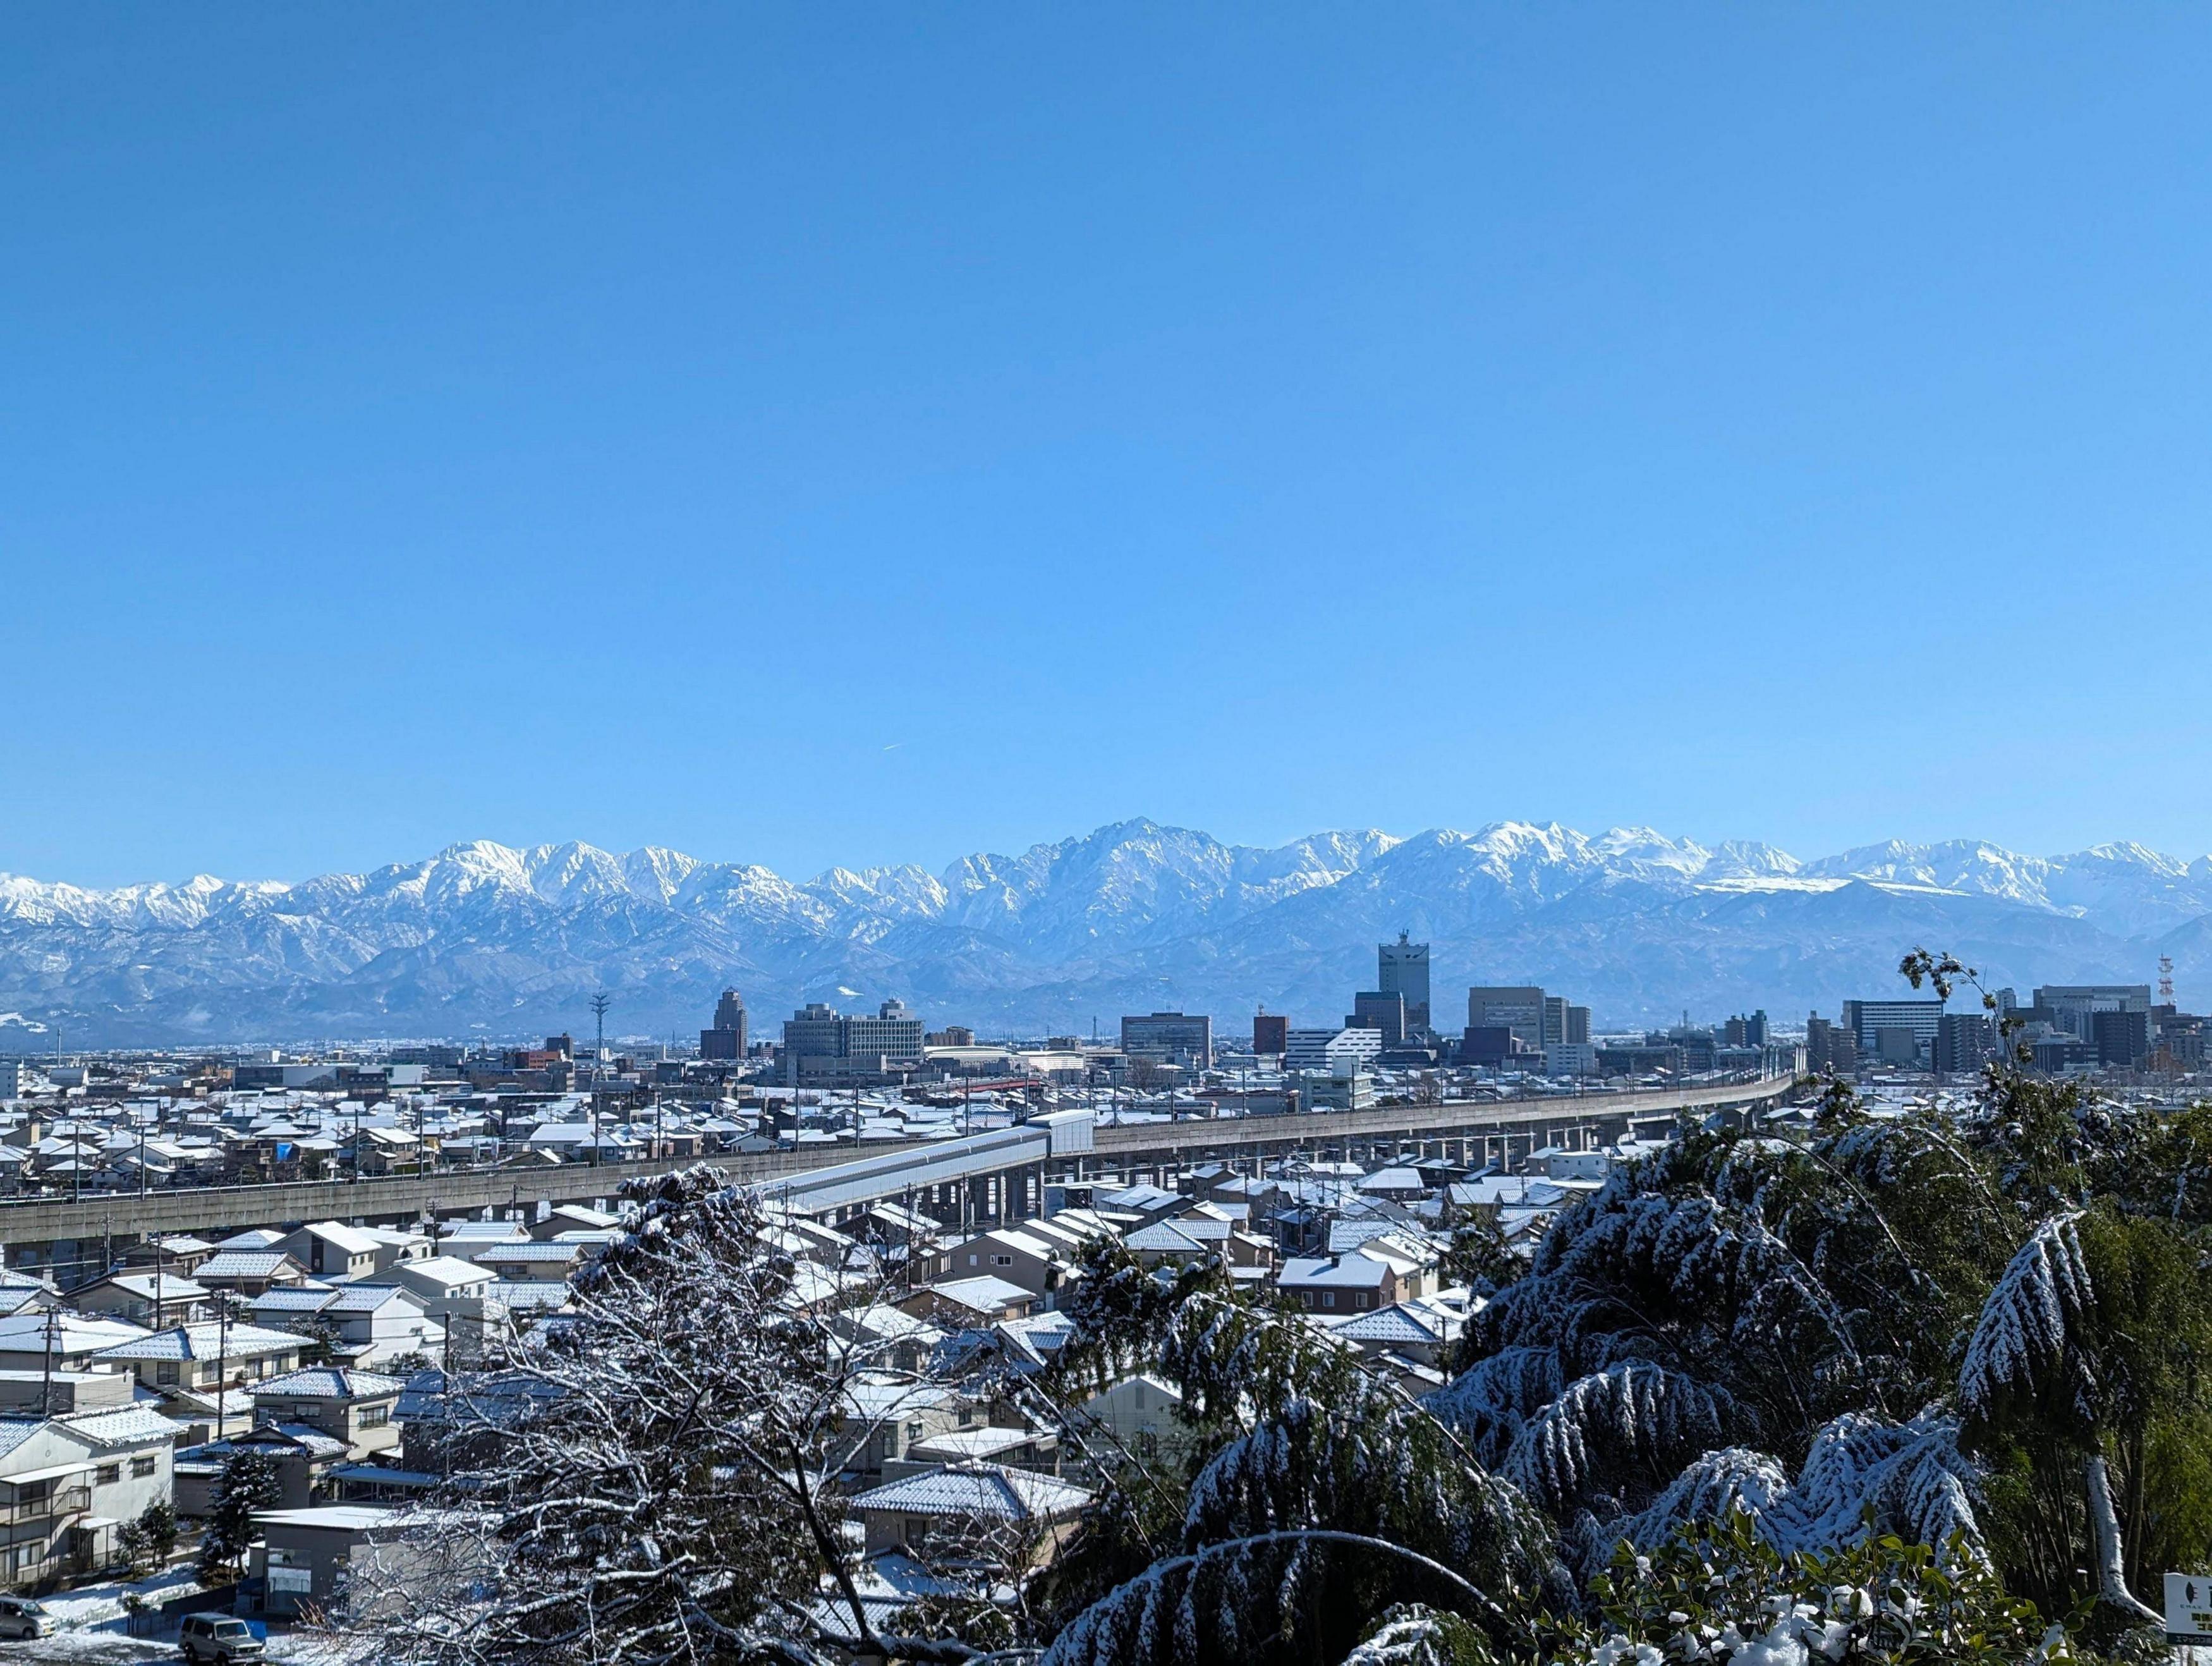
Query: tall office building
[[821, 1044], [1578, 1026], [1169, 1038], [726, 1038], [1867, 1019], [2074, 1007], [1383, 1010], [1965, 1041], [1271, 1033], [1830, 1047], [2122, 1036], [1517, 1007], [1402, 968], [1742, 1031]]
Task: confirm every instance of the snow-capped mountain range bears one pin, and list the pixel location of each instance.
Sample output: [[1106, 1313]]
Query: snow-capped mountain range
[[483, 939]]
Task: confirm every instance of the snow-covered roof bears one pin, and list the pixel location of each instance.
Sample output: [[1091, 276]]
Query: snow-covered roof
[[125, 1425], [1393, 1180], [204, 1341], [28, 1333], [481, 1232], [1357, 1271], [555, 1253], [15, 1431], [873, 1399], [987, 1492], [447, 1272], [1166, 1238], [328, 1383], [244, 1264], [148, 1286], [984, 1295], [367, 1297], [341, 1517], [1402, 1323], [967, 1445], [350, 1240]]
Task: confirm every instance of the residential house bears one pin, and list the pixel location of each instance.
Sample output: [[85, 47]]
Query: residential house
[[329, 1249], [352, 1406], [886, 1415], [1415, 1337], [179, 1253], [153, 1298], [206, 1355], [1141, 1415], [1353, 1283], [958, 1304], [66, 1483], [1014, 1518], [527, 1260], [55, 1392], [574, 1218], [249, 1273], [67, 1341], [305, 1558], [304, 1456], [1018, 1257]]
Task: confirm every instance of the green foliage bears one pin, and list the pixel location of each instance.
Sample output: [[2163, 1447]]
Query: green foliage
[[1301, 1437], [1414, 1634], [1479, 1255], [149, 1540], [1717, 1590], [249, 1482], [1121, 1310]]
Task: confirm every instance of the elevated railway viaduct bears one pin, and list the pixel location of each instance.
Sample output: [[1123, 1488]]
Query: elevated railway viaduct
[[986, 1178]]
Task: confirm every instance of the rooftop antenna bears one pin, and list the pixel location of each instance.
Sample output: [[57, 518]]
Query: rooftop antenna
[[2165, 980]]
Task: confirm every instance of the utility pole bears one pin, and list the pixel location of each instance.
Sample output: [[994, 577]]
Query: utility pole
[[600, 1002], [47, 1386], [222, 1364]]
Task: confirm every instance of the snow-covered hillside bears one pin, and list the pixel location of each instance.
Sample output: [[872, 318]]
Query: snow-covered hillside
[[484, 939]]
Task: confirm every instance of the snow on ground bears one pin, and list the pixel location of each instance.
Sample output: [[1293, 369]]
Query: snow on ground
[[92, 1621], [95, 1648], [101, 1604]]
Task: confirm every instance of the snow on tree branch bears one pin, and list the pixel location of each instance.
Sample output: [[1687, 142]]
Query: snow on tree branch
[[2026, 1339]]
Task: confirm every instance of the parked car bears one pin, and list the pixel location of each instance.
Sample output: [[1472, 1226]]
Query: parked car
[[211, 1637], [20, 1617]]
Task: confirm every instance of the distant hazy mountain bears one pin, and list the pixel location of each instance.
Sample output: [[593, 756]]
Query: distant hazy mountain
[[485, 940]]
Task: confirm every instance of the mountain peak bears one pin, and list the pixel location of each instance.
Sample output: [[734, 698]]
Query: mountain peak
[[1134, 915]]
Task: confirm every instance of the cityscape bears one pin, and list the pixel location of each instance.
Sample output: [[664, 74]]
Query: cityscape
[[172, 1324], [1130, 836]]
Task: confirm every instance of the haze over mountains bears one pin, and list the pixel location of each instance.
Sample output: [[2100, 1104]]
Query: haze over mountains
[[486, 940]]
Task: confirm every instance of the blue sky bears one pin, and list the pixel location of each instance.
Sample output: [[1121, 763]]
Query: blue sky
[[869, 434]]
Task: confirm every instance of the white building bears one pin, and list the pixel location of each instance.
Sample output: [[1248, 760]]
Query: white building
[[1333, 1052], [68, 1485]]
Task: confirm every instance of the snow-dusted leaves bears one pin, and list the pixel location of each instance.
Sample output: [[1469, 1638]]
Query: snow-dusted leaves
[[1625, 1429], [1911, 1477], [2027, 1341]]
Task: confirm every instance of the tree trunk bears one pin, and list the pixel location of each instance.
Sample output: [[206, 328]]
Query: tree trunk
[[2105, 1529]]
